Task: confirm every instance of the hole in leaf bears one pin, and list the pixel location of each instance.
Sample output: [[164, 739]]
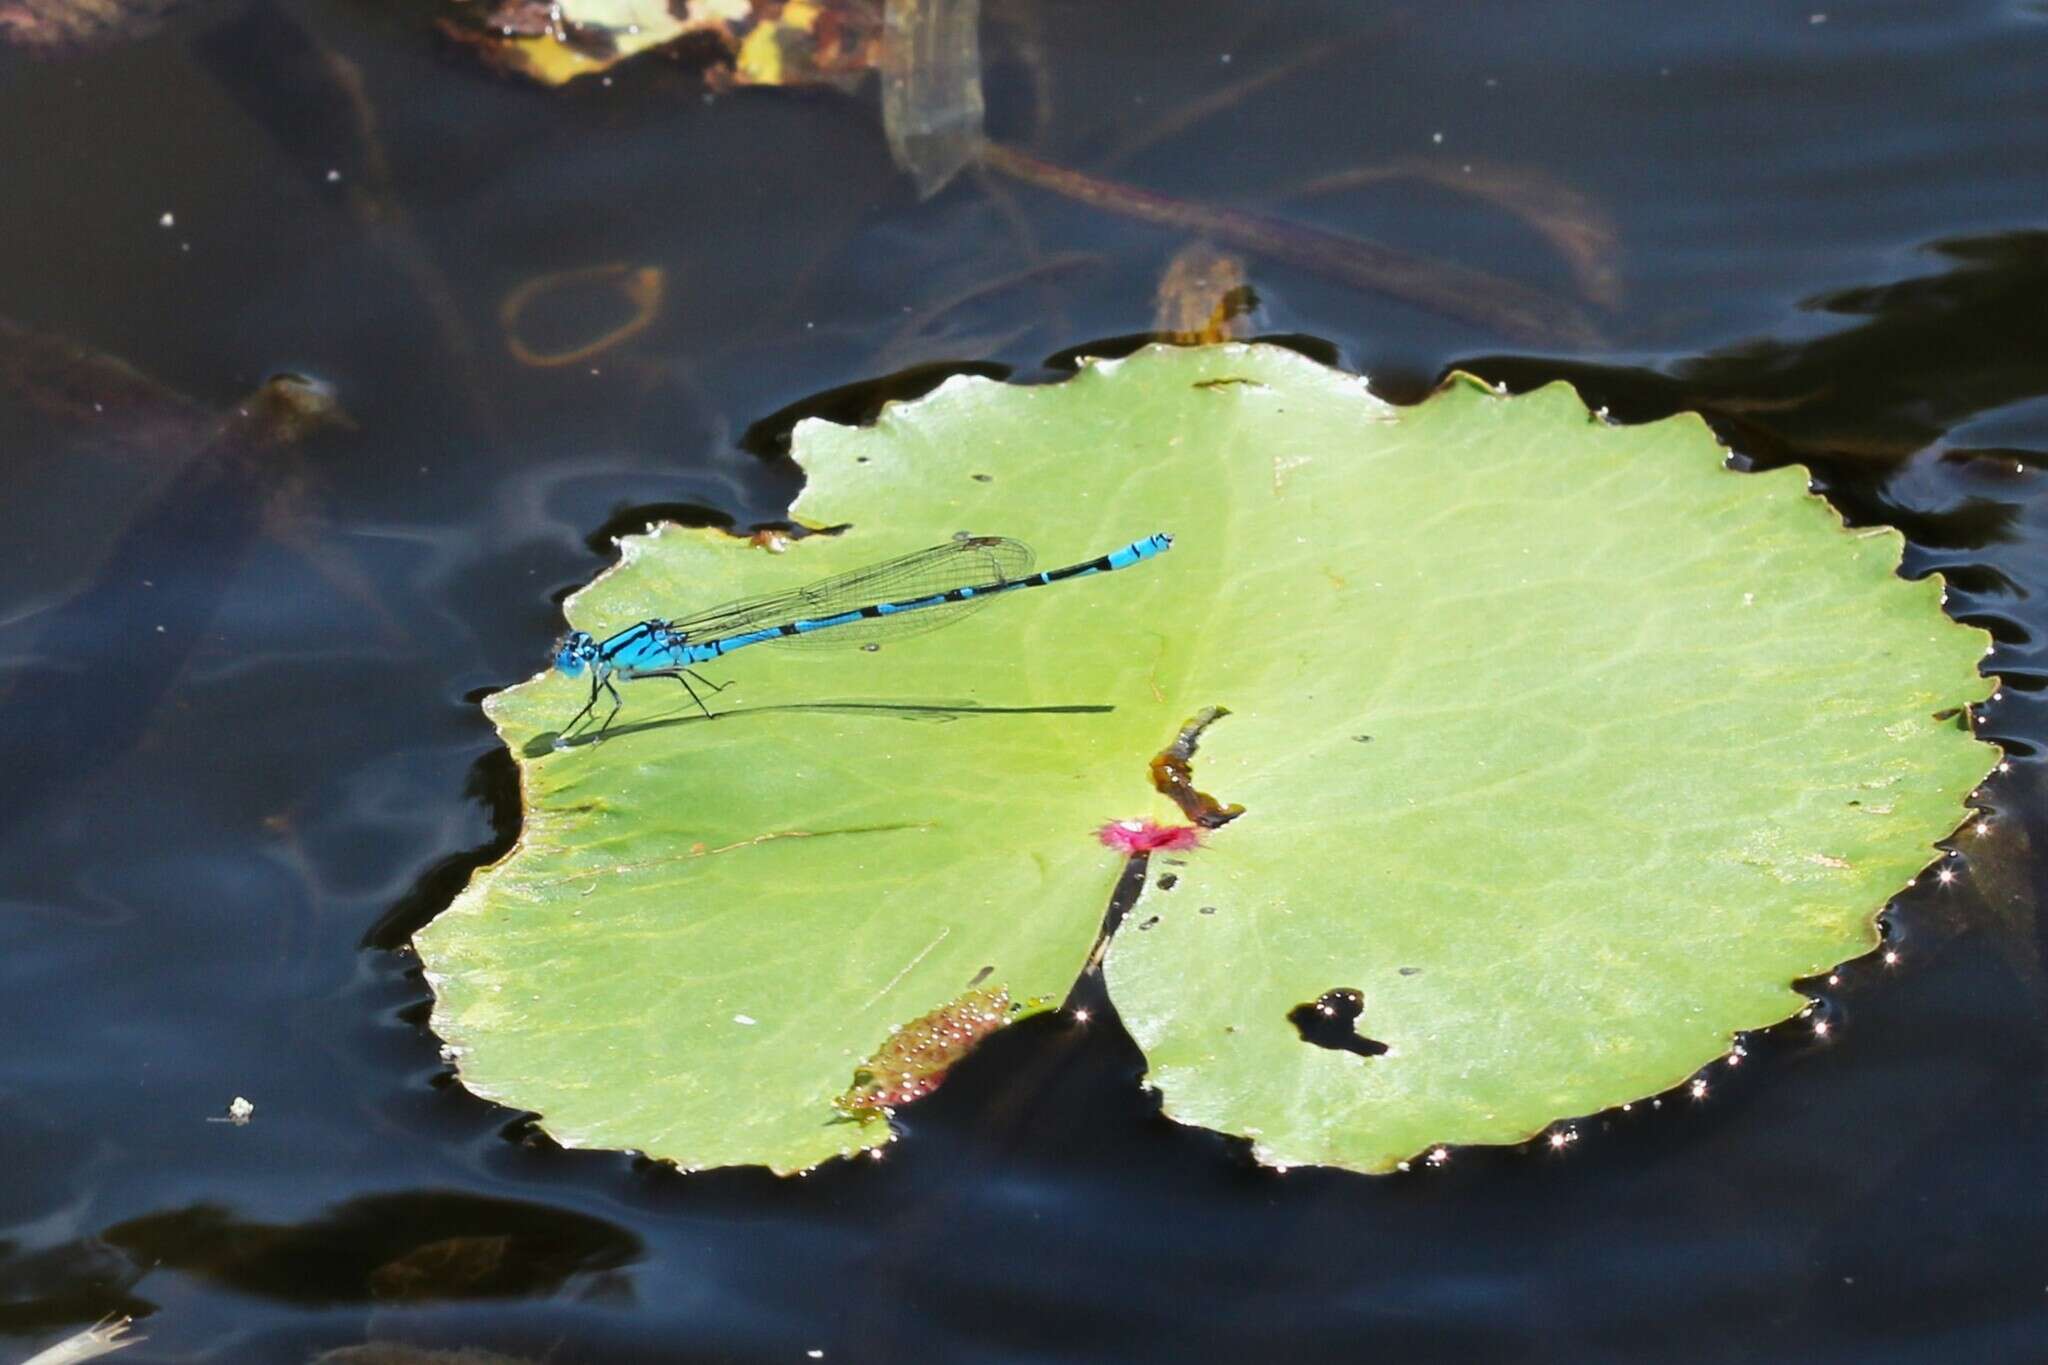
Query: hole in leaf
[[1331, 1021]]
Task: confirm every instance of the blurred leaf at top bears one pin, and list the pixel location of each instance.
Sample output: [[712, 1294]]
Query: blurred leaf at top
[[931, 88], [62, 27], [1563, 748], [928, 51], [741, 42]]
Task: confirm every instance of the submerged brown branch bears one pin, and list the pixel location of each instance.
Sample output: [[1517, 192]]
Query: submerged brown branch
[[931, 324], [1576, 227], [125, 411], [1223, 98], [376, 208], [1515, 310]]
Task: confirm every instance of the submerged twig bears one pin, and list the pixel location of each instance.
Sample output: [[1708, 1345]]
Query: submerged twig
[[315, 104], [122, 408], [1516, 310], [118, 411], [913, 340], [115, 648], [1221, 99], [377, 208], [1578, 229]]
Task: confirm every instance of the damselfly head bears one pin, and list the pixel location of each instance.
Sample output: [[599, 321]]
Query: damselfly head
[[575, 652]]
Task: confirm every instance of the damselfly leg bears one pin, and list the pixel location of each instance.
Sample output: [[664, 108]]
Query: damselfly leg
[[601, 682], [562, 735], [683, 676], [599, 685]]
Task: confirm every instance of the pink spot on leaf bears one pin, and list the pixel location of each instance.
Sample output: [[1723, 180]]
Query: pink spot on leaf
[[1146, 836]]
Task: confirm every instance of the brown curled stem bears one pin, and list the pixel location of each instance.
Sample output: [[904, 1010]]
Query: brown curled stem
[[1173, 774]]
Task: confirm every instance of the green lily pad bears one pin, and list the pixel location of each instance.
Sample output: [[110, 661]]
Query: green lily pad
[[1564, 749]]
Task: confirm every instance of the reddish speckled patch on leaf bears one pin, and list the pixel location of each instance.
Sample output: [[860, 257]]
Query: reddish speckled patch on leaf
[[917, 1057]]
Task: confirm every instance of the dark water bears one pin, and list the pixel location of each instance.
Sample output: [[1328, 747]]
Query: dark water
[[1828, 233]]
